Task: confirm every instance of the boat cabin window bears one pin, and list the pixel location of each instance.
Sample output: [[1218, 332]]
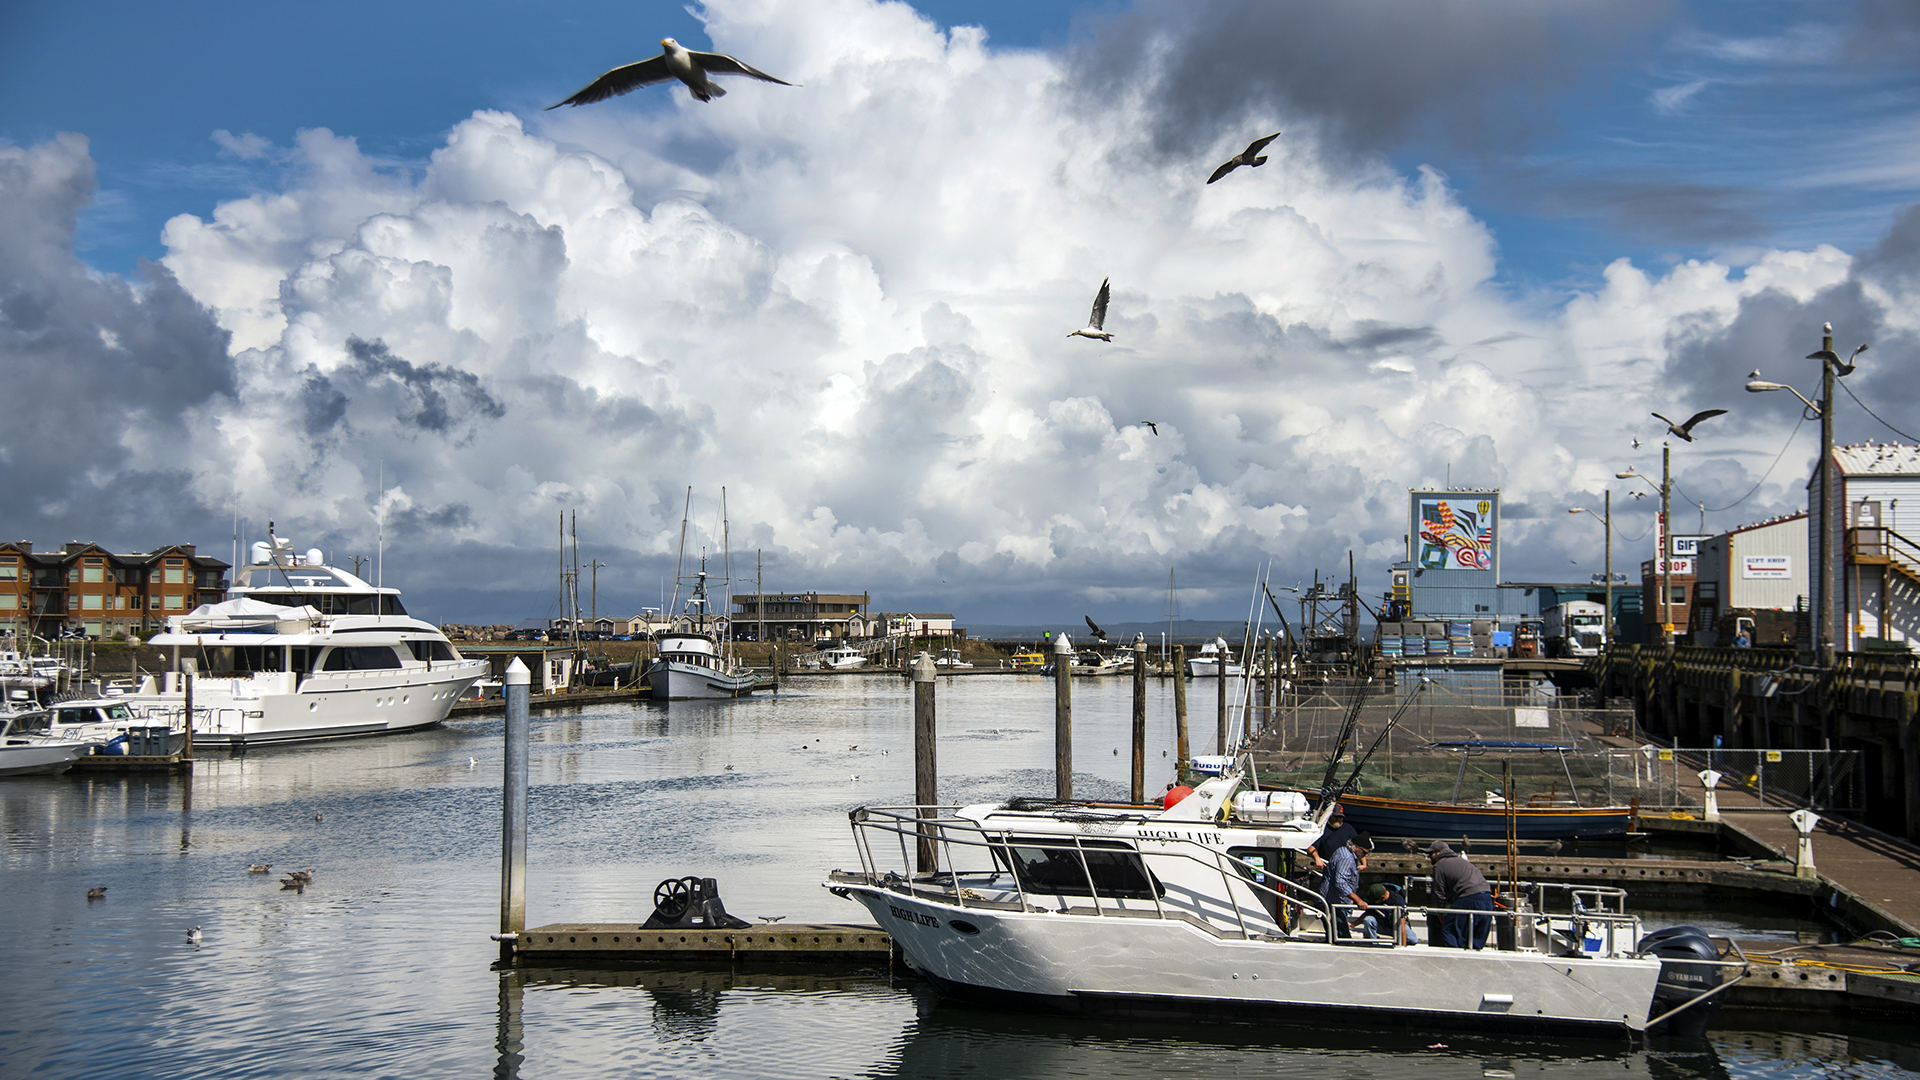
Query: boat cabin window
[[432, 650], [360, 658], [232, 660], [31, 723], [1054, 865], [77, 714], [328, 603]]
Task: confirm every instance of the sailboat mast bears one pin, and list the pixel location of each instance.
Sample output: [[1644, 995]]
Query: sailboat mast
[[680, 560], [726, 566]]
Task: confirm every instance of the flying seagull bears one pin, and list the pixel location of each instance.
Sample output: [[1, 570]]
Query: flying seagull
[[1091, 625], [677, 62], [1099, 317], [1250, 157], [1685, 431], [1151, 426]]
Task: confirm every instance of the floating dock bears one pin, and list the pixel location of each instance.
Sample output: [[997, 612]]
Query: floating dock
[[808, 942]]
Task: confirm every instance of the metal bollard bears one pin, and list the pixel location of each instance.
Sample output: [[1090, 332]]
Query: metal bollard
[[1804, 821], [1708, 779]]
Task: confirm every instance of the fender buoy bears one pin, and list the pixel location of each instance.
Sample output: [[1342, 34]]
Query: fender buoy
[[1173, 796]]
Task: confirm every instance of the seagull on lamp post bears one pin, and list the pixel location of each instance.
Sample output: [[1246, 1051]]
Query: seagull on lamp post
[[676, 62], [1685, 431]]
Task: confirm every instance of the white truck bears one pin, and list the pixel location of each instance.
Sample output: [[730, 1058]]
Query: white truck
[[1574, 628]]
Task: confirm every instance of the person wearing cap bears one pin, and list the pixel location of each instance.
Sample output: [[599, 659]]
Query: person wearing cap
[[1340, 888], [1336, 836], [1458, 884], [1387, 908]]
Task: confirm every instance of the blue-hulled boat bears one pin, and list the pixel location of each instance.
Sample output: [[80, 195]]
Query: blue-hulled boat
[[1488, 821]]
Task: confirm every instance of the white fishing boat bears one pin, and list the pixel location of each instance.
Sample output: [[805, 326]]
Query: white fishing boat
[[26, 749], [1207, 664], [1088, 662], [111, 725], [842, 658], [691, 664], [1187, 912], [302, 650], [950, 658]]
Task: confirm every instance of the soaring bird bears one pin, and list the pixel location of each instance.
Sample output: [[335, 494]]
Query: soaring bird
[[1095, 627], [1685, 431], [1098, 319], [677, 62], [1636, 438], [1250, 157], [1151, 426]]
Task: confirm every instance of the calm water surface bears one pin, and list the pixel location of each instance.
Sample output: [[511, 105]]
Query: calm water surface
[[383, 966]]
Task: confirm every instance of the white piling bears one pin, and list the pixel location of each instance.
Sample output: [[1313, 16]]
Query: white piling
[[1708, 779], [1804, 821], [513, 816]]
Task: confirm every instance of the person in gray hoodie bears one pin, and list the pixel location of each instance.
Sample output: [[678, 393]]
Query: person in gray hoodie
[[1458, 884]]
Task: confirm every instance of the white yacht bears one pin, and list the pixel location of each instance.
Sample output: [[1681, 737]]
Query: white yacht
[[302, 650], [842, 657], [1188, 911], [950, 658], [1207, 664], [1088, 662], [112, 726], [690, 664]]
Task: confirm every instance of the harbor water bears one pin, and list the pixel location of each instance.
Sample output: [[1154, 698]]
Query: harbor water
[[382, 966]]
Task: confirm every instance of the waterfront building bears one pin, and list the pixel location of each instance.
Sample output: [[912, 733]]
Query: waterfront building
[[1875, 559], [806, 616], [86, 590], [1755, 572]]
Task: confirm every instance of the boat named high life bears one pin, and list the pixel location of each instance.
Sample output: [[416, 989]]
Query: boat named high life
[[301, 650], [690, 665], [1207, 664], [1188, 912]]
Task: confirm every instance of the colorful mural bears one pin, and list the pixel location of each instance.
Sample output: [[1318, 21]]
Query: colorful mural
[[1455, 530]]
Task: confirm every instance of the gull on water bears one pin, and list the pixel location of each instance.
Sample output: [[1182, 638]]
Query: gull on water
[[677, 62], [1251, 157], [193, 937], [98, 892], [259, 868], [1096, 322]]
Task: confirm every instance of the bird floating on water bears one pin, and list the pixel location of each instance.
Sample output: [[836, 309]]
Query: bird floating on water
[[1250, 157], [318, 817], [676, 62], [1096, 322], [193, 937], [99, 893], [302, 876], [259, 868], [1685, 431], [287, 883], [472, 761]]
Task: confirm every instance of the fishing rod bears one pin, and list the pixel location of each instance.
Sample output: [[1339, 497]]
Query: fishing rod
[[1340, 747], [1284, 625]]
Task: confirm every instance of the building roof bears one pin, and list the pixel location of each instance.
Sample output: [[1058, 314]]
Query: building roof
[[1781, 520], [1877, 459]]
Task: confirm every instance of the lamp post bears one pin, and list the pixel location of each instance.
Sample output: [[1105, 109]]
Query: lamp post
[[1831, 367], [1666, 544], [1607, 520]]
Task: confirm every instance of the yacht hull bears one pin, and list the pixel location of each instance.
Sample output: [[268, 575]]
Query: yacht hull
[[37, 758], [323, 707], [669, 681], [1134, 967]]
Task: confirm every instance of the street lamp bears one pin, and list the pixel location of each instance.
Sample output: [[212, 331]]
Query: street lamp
[[1831, 367], [1607, 520], [1666, 543]]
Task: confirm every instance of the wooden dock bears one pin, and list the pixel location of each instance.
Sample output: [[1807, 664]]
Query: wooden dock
[[810, 942], [106, 764]]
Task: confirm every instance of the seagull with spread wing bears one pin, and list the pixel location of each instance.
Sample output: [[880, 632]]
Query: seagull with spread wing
[[677, 62], [1685, 431], [1096, 322], [1251, 157], [1095, 627]]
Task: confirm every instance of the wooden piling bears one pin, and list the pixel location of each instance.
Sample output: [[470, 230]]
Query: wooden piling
[[513, 817], [1139, 722], [187, 673], [1062, 718], [1183, 747], [925, 778]]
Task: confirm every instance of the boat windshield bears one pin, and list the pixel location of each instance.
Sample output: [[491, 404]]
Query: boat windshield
[[333, 603], [1107, 867]]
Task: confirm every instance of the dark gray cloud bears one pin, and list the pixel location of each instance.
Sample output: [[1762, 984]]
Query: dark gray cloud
[[428, 386], [1653, 208], [93, 363], [1369, 74]]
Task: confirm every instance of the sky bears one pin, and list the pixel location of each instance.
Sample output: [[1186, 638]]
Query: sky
[[339, 267]]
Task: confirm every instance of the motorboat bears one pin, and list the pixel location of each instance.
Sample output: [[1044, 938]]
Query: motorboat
[[110, 725], [1088, 662], [690, 664], [1206, 665], [1189, 911], [842, 658], [299, 651], [950, 658], [27, 749], [1557, 814]]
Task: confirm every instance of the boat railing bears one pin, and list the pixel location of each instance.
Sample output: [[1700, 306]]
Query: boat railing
[[934, 833]]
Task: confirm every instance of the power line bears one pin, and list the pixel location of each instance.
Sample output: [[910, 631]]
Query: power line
[[1875, 415], [1763, 476]]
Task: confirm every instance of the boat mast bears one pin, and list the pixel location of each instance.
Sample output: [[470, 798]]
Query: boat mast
[[726, 565], [680, 560]]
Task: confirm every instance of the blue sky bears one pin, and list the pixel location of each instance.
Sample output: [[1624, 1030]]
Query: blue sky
[[1495, 236]]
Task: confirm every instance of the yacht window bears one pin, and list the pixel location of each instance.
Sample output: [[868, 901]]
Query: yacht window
[[119, 712], [1050, 865], [77, 716], [361, 658], [431, 650], [241, 659]]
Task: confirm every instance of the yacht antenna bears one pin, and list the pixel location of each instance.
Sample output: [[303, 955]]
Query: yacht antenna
[[380, 542]]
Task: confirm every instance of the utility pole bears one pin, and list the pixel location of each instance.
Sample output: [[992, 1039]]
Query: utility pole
[[1666, 540]]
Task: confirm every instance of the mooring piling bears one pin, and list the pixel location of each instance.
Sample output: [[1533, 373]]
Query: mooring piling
[[1183, 747], [518, 686], [1139, 722], [190, 667], [1220, 709], [925, 780], [1062, 717]]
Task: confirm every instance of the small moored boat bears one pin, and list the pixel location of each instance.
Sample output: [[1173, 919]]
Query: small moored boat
[[26, 748]]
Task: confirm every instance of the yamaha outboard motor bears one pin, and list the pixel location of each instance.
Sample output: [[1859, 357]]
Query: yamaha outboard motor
[[690, 903], [1680, 981]]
